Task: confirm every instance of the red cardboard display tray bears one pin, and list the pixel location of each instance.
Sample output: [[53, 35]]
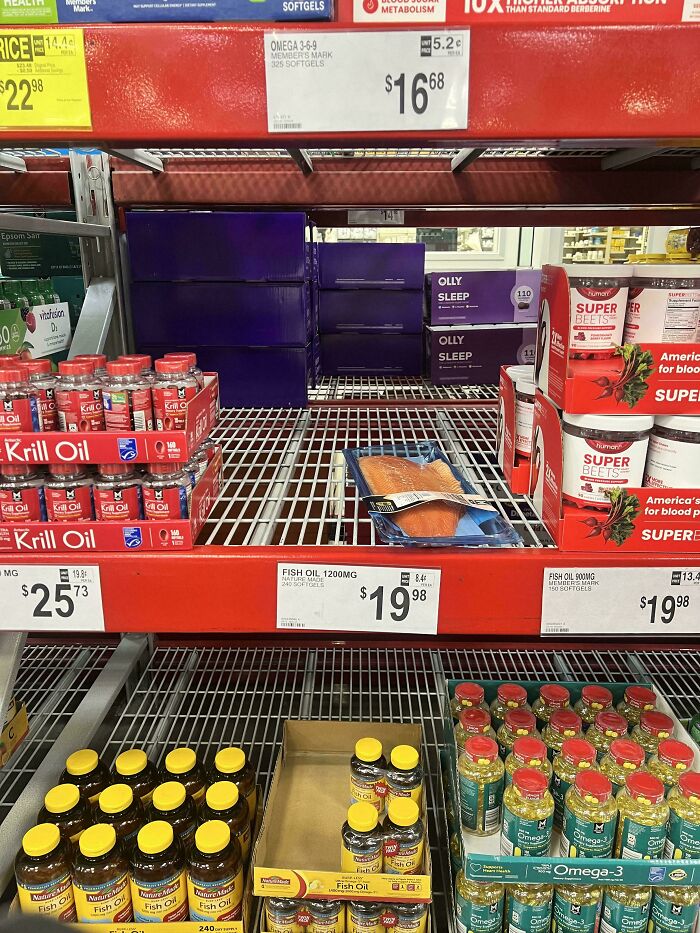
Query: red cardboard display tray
[[516, 469], [119, 446]]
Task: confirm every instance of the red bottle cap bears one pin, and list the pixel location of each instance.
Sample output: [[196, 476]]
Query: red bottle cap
[[190, 357], [640, 697], [565, 722], [512, 695], [11, 375], [658, 724], [689, 784], [481, 748], [144, 360], [578, 752], [520, 721], [67, 469], [641, 784], [530, 750], [611, 724], [627, 753], [677, 754], [36, 367], [18, 469], [98, 360], [171, 366], [469, 694], [530, 784], [475, 721], [597, 697], [124, 367], [8, 362], [76, 368], [593, 786], [555, 695]]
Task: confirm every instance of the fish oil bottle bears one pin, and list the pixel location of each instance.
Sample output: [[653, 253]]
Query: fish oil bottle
[[528, 752], [323, 916], [281, 915], [576, 755], [590, 817], [118, 806], [43, 874], [641, 833], [86, 771], [410, 918], [158, 877], [181, 765], [479, 906], [509, 696], [101, 878], [564, 724], [518, 724], [552, 697], [607, 727], [404, 838], [467, 696], [214, 874], [528, 908], [683, 831], [674, 910], [362, 840], [575, 908], [404, 775], [652, 728], [672, 759], [637, 700], [223, 802], [367, 774], [473, 722], [171, 803], [625, 909], [528, 813], [364, 917], [623, 758], [481, 779], [232, 764], [64, 806], [593, 700], [132, 767]]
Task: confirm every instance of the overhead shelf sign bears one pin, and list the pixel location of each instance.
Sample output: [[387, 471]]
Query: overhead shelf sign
[[338, 82]]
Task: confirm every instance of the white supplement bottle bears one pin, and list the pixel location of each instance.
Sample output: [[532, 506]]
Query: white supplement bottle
[[663, 304], [598, 297], [673, 457]]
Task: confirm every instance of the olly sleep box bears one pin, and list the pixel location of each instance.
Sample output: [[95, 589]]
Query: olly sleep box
[[154, 11], [370, 311], [496, 296], [473, 355], [371, 265]]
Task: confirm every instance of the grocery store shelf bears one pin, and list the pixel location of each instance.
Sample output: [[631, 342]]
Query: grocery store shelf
[[409, 389]]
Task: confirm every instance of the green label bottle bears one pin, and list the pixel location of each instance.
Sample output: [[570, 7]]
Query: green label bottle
[[479, 906], [574, 911], [669, 917], [590, 817], [683, 831], [529, 909], [625, 910]]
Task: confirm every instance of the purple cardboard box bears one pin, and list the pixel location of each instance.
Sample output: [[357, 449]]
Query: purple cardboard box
[[374, 311], [220, 313], [371, 354], [496, 296], [474, 354], [209, 245], [371, 265]]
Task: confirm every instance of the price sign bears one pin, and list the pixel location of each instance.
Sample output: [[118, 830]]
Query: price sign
[[399, 80], [50, 598], [336, 598], [43, 80], [621, 600], [382, 216]]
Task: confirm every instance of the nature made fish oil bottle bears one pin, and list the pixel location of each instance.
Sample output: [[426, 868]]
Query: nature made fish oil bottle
[[64, 806], [101, 878], [683, 830], [410, 918], [133, 768], [528, 752], [404, 775], [171, 803], [325, 916], [472, 722], [181, 765], [623, 758], [404, 838], [479, 906], [481, 778], [509, 696], [636, 701], [467, 696], [590, 817], [528, 908], [281, 915], [653, 727], [224, 802], [517, 724], [118, 807], [158, 877], [528, 812], [231, 764], [364, 917], [674, 910], [576, 755], [86, 771], [641, 832], [564, 724], [362, 840], [607, 727], [625, 909], [593, 700], [214, 874], [552, 697], [575, 908], [672, 759], [43, 874], [367, 771]]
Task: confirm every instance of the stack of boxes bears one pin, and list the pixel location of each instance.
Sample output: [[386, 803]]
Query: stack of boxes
[[233, 288], [370, 308]]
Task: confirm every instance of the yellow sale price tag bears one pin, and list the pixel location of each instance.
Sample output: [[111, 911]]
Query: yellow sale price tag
[[43, 79]]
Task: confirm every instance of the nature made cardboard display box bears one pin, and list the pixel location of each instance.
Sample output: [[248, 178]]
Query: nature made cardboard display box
[[515, 468], [14, 731], [298, 851]]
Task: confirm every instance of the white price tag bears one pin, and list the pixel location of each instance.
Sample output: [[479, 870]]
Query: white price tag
[[51, 598], [399, 81], [367, 218], [337, 598], [613, 601]]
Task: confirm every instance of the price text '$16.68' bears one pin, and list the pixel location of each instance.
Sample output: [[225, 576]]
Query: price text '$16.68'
[[418, 89], [400, 599]]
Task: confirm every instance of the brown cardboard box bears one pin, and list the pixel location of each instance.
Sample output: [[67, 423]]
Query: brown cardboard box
[[15, 729]]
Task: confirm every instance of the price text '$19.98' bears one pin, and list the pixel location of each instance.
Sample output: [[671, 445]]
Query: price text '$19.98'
[[400, 599], [663, 609]]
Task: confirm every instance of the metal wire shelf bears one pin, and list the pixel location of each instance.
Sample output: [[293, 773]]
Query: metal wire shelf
[[406, 389]]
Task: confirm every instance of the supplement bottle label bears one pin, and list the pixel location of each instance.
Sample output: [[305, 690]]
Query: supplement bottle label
[[23, 505], [480, 804], [169, 502], [524, 414], [80, 409], [397, 793], [244, 839], [666, 917], [662, 315], [69, 505], [170, 406], [19, 414], [320, 924], [593, 466], [559, 789], [372, 792], [128, 409], [672, 464], [682, 838], [410, 924], [48, 413], [401, 859], [364, 863], [586, 838], [525, 837], [54, 899], [283, 924], [219, 900], [623, 918], [104, 903], [568, 917], [357, 923], [641, 842], [527, 918], [597, 319], [160, 901], [118, 505], [479, 918]]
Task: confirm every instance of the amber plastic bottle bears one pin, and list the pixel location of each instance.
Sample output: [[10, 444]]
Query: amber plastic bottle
[[101, 878], [132, 767], [181, 765], [158, 877], [64, 806], [215, 874], [231, 764], [43, 874], [118, 807], [87, 772], [223, 802], [171, 803]]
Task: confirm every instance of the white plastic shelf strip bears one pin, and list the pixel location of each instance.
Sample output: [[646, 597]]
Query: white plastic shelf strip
[[408, 388]]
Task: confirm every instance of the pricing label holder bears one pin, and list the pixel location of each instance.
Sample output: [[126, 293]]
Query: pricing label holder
[[51, 598]]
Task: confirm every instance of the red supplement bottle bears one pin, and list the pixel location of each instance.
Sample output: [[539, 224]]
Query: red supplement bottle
[[117, 493], [191, 359], [68, 491], [18, 402], [172, 390], [166, 492], [79, 397], [22, 494], [98, 360], [43, 380], [126, 396]]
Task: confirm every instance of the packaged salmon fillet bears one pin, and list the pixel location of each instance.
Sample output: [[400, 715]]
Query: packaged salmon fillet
[[415, 496]]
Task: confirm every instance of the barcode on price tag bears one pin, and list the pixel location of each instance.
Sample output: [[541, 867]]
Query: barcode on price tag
[[337, 598], [51, 598], [654, 601]]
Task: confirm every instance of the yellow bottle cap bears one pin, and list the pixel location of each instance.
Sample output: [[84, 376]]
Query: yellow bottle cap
[[362, 817], [229, 760], [368, 749], [116, 798], [41, 839], [404, 757], [155, 837], [403, 811], [169, 796], [97, 840], [130, 763], [212, 837], [222, 796], [81, 762], [180, 760], [61, 798]]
